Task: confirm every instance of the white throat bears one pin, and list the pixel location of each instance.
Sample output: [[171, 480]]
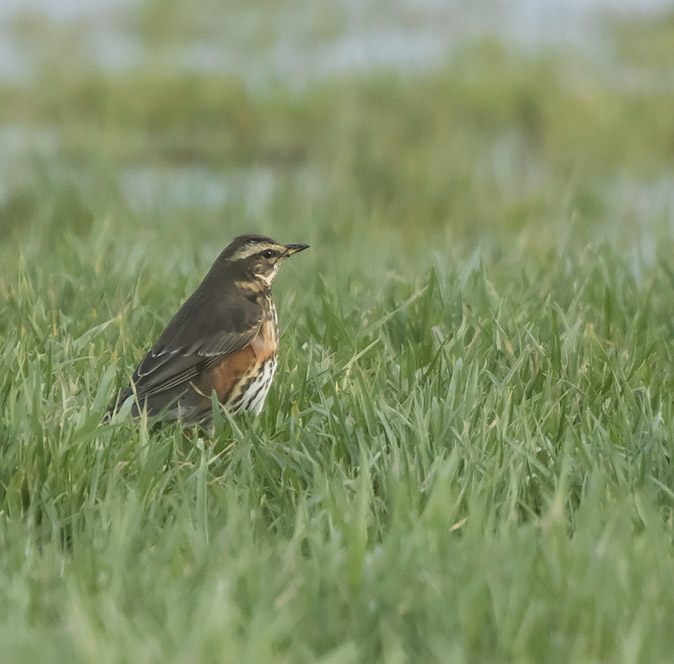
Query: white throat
[[268, 278]]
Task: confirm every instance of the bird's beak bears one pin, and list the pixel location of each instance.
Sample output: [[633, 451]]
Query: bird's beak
[[295, 248]]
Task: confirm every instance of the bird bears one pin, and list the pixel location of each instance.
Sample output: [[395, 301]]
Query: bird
[[224, 339]]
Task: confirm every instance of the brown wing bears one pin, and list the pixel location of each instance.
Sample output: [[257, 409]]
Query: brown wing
[[168, 368], [208, 328]]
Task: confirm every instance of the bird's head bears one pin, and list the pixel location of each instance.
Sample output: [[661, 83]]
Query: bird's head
[[257, 258]]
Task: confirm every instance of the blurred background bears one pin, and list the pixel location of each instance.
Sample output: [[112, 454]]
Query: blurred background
[[466, 455], [522, 124]]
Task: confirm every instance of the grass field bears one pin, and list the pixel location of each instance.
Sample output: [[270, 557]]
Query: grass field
[[466, 455]]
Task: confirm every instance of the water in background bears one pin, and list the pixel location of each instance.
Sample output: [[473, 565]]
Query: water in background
[[297, 44], [302, 41]]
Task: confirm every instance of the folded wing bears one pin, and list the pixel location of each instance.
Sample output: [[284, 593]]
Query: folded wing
[[191, 344]]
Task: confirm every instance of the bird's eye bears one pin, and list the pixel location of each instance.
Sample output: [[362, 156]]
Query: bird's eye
[[267, 254]]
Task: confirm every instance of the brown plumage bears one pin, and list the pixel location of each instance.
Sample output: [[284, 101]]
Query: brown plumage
[[223, 339]]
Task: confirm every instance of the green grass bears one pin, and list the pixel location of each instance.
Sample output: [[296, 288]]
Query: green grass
[[466, 455]]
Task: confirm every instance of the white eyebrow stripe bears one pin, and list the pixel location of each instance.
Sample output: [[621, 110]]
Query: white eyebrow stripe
[[251, 249]]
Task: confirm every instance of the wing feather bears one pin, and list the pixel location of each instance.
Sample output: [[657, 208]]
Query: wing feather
[[204, 332], [167, 369]]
